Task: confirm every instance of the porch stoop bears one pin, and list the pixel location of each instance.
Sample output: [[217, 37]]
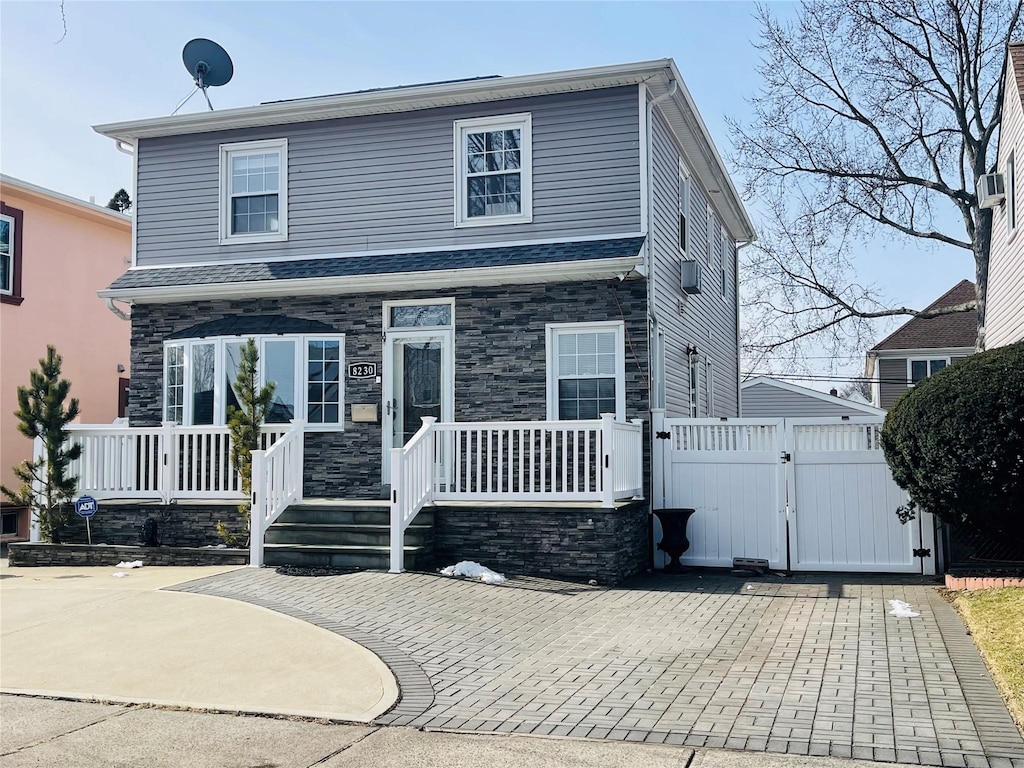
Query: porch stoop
[[345, 534]]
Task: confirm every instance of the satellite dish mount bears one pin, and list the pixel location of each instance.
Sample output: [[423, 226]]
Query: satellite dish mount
[[208, 64]]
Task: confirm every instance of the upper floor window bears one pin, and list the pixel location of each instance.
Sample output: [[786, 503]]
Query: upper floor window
[[683, 203], [923, 368], [10, 254], [586, 370], [493, 164], [254, 192]]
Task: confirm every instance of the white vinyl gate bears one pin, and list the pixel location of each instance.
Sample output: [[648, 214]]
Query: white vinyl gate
[[810, 494]]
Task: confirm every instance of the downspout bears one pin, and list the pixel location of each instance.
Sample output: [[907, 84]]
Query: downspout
[[739, 352], [117, 311], [673, 88]]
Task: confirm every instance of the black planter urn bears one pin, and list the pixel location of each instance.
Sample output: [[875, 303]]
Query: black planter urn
[[673, 535]]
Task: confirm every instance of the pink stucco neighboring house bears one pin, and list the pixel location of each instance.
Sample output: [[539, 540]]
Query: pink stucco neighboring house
[[55, 253]]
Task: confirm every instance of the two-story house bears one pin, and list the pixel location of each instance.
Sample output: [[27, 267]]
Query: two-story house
[[510, 256], [1004, 316], [922, 347], [55, 252]]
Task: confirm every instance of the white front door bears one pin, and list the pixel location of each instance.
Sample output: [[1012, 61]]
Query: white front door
[[418, 382]]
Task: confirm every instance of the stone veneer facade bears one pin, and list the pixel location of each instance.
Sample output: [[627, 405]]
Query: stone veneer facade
[[571, 542], [500, 360]]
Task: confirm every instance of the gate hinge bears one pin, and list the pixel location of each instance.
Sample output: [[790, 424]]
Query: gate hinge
[[663, 435], [786, 456], [922, 553]]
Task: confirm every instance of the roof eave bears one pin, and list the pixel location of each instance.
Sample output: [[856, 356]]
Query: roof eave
[[375, 102], [352, 284]]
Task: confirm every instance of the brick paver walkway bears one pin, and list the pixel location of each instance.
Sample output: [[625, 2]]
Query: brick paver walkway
[[808, 665]]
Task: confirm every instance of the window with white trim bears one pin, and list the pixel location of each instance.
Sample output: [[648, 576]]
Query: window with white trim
[[307, 371], [683, 206], [694, 385], [586, 370], [493, 170], [709, 388], [8, 231], [1011, 192], [254, 191], [919, 369]]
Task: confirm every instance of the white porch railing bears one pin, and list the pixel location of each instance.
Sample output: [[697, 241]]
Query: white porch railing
[[412, 485], [524, 461], [276, 483], [161, 463]]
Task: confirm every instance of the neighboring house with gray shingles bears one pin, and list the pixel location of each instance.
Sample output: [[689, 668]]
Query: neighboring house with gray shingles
[[766, 398], [921, 347]]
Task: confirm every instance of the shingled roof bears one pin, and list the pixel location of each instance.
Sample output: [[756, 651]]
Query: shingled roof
[[352, 266], [958, 329]]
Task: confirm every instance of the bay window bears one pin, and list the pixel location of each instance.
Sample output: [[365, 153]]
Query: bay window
[[199, 378]]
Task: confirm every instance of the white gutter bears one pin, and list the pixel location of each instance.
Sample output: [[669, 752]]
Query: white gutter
[[121, 314], [401, 99], [431, 280]]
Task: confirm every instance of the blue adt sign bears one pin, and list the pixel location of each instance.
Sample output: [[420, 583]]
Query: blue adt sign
[[86, 506]]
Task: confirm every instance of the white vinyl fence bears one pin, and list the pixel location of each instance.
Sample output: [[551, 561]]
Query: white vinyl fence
[[805, 494]]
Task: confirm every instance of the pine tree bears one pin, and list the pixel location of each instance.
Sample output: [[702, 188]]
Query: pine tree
[[41, 413], [121, 201], [245, 424]]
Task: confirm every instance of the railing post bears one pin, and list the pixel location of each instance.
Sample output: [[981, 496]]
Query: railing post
[[397, 494], [608, 459], [257, 510], [300, 456], [637, 460], [168, 472], [38, 454], [659, 452]]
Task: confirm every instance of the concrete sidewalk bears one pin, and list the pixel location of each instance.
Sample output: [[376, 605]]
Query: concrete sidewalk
[[52, 734], [84, 633]]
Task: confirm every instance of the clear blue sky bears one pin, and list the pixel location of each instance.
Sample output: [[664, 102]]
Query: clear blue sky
[[122, 60]]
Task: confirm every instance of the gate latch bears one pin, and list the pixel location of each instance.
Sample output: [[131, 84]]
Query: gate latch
[[922, 553], [786, 456]]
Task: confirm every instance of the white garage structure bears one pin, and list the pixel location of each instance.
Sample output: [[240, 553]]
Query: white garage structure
[[806, 494]]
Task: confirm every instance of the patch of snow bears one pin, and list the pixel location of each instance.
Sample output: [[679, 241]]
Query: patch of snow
[[592, 582], [119, 574], [901, 610], [132, 564], [471, 570]]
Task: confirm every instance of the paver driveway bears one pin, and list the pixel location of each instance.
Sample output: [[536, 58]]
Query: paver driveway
[[812, 664]]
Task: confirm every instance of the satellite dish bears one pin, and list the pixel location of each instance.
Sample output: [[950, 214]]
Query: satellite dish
[[208, 64]]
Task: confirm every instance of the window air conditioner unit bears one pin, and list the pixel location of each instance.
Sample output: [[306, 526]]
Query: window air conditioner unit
[[692, 276], [991, 191]]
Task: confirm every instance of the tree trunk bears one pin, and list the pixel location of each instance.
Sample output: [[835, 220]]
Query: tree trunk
[[982, 244]]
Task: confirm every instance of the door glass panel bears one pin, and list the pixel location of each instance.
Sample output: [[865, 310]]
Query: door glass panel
[[202, 383], [417, 386], [279, 367]]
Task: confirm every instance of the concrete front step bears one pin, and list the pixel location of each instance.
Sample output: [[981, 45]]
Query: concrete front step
[[338, 556], [344, 533]]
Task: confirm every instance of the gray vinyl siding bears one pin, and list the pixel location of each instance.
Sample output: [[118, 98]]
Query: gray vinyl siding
[[763, 401], [894, 380], [706, 320], [386, 182]]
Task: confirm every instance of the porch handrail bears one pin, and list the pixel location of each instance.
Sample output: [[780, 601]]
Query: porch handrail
[[276, 483], [412, 486], [162, 463]]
